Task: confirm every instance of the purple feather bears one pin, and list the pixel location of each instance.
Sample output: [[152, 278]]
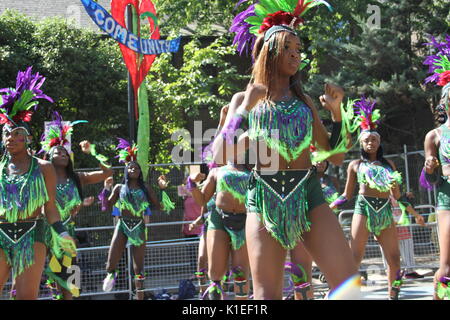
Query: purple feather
[[340, 201], [123, 144], [442, 49], [424, 183], [243, 38]]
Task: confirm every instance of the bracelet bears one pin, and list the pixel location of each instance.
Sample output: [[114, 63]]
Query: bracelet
[[59, 227]]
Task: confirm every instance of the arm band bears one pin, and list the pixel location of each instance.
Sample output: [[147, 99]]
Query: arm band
[[335, 134], [59, 228], [229, 132], [190, 185], [340, 201]]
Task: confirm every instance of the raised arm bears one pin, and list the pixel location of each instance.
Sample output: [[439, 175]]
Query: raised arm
[[202, 197], [93, 177]]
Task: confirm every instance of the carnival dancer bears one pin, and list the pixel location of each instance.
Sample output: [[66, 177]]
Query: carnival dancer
[[27, 185], [284, 200], [436, 169], [69, 194], [377, 178], [132, 200]]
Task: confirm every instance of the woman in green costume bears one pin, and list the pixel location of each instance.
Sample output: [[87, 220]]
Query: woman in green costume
[[132, 200], [377, 178], [284, 203], [27, 189], [69, 194]]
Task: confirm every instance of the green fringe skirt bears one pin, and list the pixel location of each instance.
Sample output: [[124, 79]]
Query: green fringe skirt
[[17, 241], [133, 229], [283, 199], [377, 210]]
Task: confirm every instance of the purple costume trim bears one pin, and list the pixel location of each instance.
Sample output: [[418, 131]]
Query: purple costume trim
[[424, 183]]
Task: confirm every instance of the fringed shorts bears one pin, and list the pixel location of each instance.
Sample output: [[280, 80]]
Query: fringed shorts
[[232, 224], [443, 196], [283, 201], [17, 242], [377, 210], [133, 229]]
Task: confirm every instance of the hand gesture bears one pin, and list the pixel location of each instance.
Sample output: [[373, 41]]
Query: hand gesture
[[108, 183], [162, 182], [88, 201], [197, 177], [420, 220], [431, 163], [85, 146], [332, 98], [223, 115]]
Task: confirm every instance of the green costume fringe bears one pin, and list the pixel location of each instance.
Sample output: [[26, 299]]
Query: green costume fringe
[[20, 255], [237, 238], [67, 198], [137, 205], [284, 218], [291, 120], [376, 221], [101, 158], [168, 205], [21, 196], [404, 218], [442, 290], [234, 182], [378, 177], [60, 245], [350, 124], [134, 236]]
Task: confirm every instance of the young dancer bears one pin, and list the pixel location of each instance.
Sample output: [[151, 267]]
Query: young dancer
[[69, 194], [27, 185], [377, 178], [284, 202], [437, 163]]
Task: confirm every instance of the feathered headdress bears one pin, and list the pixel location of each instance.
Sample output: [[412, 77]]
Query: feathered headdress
[[15, 103], [368, 117], [127, 152], [58, 132], [439, 63], [262, 15], [439, 67]]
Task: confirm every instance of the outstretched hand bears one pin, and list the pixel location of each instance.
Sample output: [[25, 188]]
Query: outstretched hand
[[332, 98], [85, 146], [162, 182]]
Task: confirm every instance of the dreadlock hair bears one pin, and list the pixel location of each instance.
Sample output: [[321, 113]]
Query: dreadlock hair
[[125, 190], [69, 168], [380, 157]]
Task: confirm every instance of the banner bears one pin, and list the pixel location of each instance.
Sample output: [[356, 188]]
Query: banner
[[121, 34]]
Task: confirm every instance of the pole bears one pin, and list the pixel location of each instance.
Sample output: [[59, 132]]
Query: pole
[[131, 97], [405, 150]]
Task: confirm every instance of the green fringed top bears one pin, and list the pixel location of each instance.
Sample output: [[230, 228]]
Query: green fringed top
[[135, 202], [67, 198], [21, 196], [378, 177], [233, 181], [286, 126]]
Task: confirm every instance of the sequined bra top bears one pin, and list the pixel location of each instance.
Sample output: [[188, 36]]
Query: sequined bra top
[[22, 195], [379, 177], [444, 145], [285, 126], [67, 198], [135, 201], [233, 181]]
